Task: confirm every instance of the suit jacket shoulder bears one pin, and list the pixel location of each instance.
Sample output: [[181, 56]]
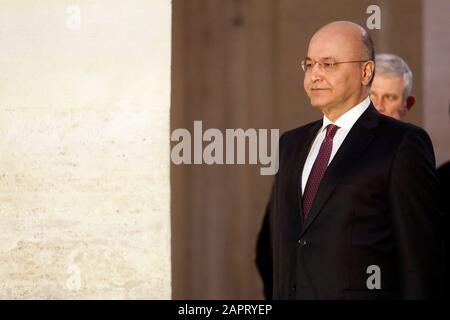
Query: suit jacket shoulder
[[294, 137], [397, 128], [300, 131]]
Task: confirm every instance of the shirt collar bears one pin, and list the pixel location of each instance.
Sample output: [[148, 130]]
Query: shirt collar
[[348, 119]]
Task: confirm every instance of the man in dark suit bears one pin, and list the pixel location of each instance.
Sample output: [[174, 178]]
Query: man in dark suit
[[354, 211], [443, 173]]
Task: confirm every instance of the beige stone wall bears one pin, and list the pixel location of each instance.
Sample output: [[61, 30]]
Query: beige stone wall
[[84, 149]]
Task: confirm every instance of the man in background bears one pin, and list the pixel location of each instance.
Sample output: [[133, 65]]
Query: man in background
[[444, 179], [392, 86], [443, 173]]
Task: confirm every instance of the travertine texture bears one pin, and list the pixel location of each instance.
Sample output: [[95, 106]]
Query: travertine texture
[[84, 149]]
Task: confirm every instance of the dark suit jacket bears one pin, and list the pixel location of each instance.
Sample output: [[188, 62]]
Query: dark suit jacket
[[444, 179], [377, 204], [443, 173]]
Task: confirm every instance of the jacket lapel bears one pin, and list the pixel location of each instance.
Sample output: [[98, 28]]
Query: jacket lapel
[[357, 140], [300, 162]]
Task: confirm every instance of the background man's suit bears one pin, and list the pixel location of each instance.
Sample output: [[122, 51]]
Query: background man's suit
[[377, 204]]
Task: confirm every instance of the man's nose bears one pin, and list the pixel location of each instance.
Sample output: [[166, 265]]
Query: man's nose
[[379, 104], [316, 73]]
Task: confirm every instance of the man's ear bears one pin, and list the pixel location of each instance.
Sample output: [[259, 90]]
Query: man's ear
[[410, 102], [368, 72]]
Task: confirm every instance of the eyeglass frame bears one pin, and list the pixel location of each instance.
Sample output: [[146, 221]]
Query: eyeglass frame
[[322, 63]]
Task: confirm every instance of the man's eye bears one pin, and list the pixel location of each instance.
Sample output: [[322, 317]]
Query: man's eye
[[308, 64], [390, 97]]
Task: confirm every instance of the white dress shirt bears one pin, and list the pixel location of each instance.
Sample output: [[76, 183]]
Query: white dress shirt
[[345, 123]]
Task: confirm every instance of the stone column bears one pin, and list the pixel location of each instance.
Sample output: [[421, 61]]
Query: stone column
[[84, 149]]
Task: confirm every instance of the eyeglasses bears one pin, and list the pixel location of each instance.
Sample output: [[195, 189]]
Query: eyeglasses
[[324, 64]]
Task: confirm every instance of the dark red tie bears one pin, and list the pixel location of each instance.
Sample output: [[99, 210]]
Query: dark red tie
[[318, 170]]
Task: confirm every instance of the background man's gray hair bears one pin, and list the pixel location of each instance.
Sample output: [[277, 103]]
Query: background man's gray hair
[[390, 64]]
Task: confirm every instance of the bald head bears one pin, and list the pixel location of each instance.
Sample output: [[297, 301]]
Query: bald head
[[352, 36]]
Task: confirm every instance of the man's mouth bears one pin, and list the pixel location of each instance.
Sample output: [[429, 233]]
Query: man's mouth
[[319, 89]]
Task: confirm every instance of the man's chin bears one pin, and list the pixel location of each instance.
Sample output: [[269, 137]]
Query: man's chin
[[317, 103]]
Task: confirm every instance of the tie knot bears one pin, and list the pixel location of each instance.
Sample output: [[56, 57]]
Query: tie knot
[[331, 131]]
